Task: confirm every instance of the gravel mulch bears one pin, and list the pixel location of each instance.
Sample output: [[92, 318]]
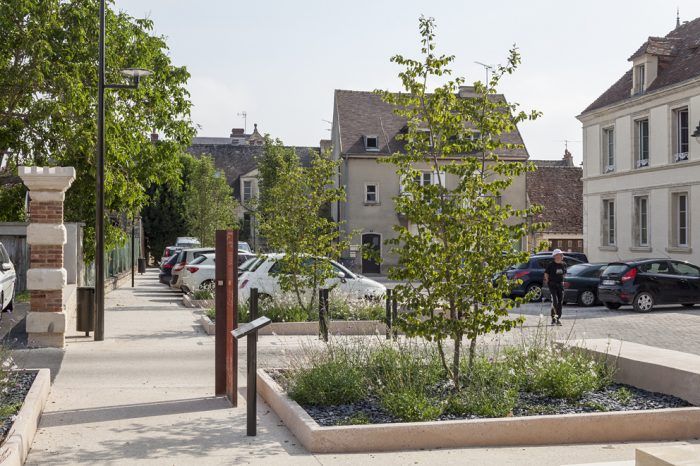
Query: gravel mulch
[[11, 398], [608, 399]]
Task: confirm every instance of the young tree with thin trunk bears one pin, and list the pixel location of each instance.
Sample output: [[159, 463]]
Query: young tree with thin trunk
[[459, 238]]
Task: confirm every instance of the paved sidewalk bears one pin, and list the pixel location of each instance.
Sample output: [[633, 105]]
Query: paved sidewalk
[[145, 396]]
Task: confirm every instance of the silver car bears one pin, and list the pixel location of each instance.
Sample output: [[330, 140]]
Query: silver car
[[8, 280]]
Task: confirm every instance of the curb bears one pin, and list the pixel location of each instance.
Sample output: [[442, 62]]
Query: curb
[[17, 445]]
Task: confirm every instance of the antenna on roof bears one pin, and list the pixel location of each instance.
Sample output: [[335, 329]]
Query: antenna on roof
[[244, 115], [488, 69], [678, 17], [566, 142]]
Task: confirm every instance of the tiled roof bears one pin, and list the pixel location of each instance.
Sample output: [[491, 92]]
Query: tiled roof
[[363, 114], [559, 190], [679, 60]]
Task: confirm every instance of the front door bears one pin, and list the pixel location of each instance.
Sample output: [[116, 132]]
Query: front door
[[659, 279], [373, 242]]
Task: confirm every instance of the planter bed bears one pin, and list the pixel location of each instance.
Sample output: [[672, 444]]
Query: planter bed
[[583, 427], [18, 430], [188, 301], [337, 327]]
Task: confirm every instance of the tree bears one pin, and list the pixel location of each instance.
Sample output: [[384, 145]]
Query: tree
[[459, 237], [209, 202], [48, 95], [292, 201]]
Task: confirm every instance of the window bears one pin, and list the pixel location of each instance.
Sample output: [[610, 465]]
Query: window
[[639, 78], [247, 190], [608, 222], [681, 226], [426, 178], [641, 142], [608, 150], [371, 193], [656, 267], [371, 143], [641, 221], [686, 269], [680, 134]]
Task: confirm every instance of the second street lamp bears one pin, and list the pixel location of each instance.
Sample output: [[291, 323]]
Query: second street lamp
[[135, 74]]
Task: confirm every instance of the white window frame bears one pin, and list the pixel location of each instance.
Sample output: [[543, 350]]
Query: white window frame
[[641, 221], [609, 149], [367, 137], [680, 220], [639, 78], [638, 142], [609, 230], [677, 133], [376, 193], [245, 198]]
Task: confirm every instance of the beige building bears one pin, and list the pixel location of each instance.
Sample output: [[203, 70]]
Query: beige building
[[365, 130], [642, 156]]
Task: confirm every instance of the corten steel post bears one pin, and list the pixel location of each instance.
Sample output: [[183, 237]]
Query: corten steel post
[[99, 178], [226, 348], [133, 249]]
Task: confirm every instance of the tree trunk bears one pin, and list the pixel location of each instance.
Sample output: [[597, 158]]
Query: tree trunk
[[443, 359], [472, 352], [455, 360]]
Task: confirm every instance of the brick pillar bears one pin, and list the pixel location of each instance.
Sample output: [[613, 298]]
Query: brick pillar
[[46, 236]]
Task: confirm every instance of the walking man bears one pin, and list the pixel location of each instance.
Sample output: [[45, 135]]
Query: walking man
[[554, 278]]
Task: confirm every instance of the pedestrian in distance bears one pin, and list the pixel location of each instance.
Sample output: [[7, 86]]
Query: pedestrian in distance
[[554, 278]]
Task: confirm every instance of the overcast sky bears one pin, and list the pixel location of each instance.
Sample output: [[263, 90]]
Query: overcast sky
[[280, 61]]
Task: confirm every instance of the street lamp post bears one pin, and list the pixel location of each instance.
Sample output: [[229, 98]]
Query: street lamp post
[[135, 74]]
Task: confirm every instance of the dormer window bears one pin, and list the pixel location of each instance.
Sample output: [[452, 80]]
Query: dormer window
[[639, 78], [371, 143]]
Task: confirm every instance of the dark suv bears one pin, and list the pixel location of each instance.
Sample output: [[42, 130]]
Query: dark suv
[[532, 274], [644, 283]]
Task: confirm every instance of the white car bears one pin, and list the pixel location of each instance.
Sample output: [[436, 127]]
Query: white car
[[198, 274], [260, 273], [185, 257], [8, 280]]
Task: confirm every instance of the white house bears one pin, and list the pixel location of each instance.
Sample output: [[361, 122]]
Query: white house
[[641, 170]]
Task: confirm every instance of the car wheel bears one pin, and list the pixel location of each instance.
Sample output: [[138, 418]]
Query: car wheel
[[536, 290], [612, 306], [586, 298], [688, 305], [644, 302], [206, 284]]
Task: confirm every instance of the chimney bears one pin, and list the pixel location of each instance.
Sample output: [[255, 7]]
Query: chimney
[[467, 92], [237, 132], [568, 158]]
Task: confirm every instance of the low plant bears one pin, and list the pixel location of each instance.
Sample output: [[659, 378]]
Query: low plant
[[490, 391], [623, 395], [22, 297], [202, 294], [355, 420], [333, 382], [211, 313], [410, 405]]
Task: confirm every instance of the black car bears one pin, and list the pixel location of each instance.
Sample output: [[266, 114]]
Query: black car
[[532, 274], [645, 283], [166, 269], [581, 284], [576, 255]]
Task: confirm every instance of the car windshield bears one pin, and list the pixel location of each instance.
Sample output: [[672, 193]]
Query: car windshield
[[522, 266], [243, 246], [246, 265], [577, 269], [340, 268], [198, 260], [617, 269]]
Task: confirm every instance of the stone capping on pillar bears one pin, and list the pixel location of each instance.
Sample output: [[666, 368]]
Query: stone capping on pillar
[[46, 236]]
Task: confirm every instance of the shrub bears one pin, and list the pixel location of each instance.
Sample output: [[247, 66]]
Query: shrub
[[344, 307], [411, 405], [333, 382], [623, 395], [202, 294], [355, 420], [564, 374], [211, 313], [408, 366], [491, 390]]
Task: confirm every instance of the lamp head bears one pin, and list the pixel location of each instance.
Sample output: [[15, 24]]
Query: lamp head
[[135, 74]]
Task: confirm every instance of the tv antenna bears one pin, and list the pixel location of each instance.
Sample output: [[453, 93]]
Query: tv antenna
[[566, 142], [488, 69], [327, 121], [244, 115]]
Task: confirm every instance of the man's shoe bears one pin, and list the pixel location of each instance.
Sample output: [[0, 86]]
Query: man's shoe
[[559, 322], [554, 321]]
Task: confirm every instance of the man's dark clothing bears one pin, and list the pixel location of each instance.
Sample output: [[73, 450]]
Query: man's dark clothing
[[555, 273]]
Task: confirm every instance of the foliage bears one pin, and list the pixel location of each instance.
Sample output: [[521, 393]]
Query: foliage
[[456, 224], [411, 405], [164, 217], [12, 201], [211, 313], [292, 199], [332, 382], [491, 391], [623, 395], [355, 420], [48, 105], [209, 201]]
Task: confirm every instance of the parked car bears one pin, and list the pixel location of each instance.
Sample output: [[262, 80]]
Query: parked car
[[262, 275], [187, 242], [8, 280], [531, 273], [243, 246], [580, 284], [198, 274], [644, 283], [166, 269], [168, 253], [185, 257], [576, 255]]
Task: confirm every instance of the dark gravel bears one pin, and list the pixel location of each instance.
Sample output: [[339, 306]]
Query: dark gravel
[[13, 394], [528, 404]]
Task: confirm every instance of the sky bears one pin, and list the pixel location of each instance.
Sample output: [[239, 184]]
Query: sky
[[280, 61]]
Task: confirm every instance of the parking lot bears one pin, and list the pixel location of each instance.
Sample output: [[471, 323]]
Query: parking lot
[[671, 327]]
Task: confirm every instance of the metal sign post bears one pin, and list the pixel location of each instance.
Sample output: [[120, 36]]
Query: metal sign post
[[250, 330], [226, 281]]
